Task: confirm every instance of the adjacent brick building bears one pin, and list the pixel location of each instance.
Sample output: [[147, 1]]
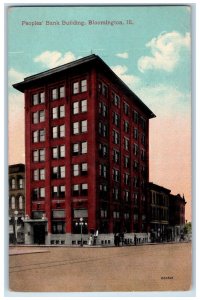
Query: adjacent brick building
[[16, 203], [87, 153]]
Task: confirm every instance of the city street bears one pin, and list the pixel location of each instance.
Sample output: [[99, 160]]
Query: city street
[[161, 267]]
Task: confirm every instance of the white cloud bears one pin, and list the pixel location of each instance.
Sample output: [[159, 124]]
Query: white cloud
[[165, 51], [52, 59], [122, 55], [15, 76], [131, 80]]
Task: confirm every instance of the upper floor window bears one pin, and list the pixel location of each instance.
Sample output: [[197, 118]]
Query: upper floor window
[[13, 202], [126, 144], [38, 98], [126, 126], [79, 107], [20, 202], [103, 170], [58, 112], [126, 108], [39, 136], [103, 109], [58, 191], [20, 183], [58, 172], [135, 133], [38, 174], [143, 123], [58, 93], [80, 189], [103, 150], [13, 183], [135, 116], [116, 100], [103, 129], [103, 89], [80, 127], [58, 152], [116, 156], [80, 86], [116, 119], [79, 148], [39, 155], [58, 131], [126, 161], [38, 116], [116, 175], [116, 137]]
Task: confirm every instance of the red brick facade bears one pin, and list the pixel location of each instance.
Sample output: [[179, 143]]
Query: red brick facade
[[86, 149]]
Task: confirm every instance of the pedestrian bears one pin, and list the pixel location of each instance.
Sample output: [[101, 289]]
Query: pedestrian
[[135, 240], [90, 240]]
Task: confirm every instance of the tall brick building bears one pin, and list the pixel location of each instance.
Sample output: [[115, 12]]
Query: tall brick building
[[87, 153]]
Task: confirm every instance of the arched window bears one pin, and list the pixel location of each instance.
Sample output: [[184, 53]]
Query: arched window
[[13, 202], [13, 183], [20, 202]]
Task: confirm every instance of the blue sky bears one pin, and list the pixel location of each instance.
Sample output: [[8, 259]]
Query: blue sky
[[152, 56]]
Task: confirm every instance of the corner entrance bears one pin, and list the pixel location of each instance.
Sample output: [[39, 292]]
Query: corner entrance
[[39, 234]]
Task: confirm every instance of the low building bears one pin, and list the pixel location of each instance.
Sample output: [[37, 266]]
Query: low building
[[16, 203], [159, 212], [177, 215]]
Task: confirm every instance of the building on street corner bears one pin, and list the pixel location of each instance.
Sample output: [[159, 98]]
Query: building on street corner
[[87, 155]]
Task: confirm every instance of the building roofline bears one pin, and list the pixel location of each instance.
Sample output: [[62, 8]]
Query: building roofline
[[21, 86], [151, 184]]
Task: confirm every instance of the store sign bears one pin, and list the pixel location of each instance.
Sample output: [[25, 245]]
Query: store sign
[[80, 213]]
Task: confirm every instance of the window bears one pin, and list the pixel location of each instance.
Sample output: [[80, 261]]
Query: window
[[42, 174], [116, 100], [135, 133], [126, 216], [58, 191], [143, 139], [84, 168], [83, 85], [35, 155], [62, 130], [38, 98], [103, 110], [103, 150], [103, 190], [39, 155], [84, 189], [58, 172], [75, 106], [75, 149], [75, 190], [35, 175], [75, 87], [41, 115], [116, 119], [116, 175], [143, 154], [143, 123], [54, 112], [135, 149], [75, 170], [58, 131], [58, 93], [58, 112], [75, 127], [135, 165], [116, 214], [135, 182], [80, 86], [135, 198], [58, 227], [42, 192], [115, 193], [13, 183], [42, 155], [83, 147], [38, 136], [126, 126], [42, 135], [126, 179], [127, 196], [83, 105], [103, 170], [13, 202], [35, 117], [20, 183], [126, 161], [126, 108], [103, 129], [116, 137], [105, 90], [135, 117], [62, 111], [116, 156], [104, 213], [126, 144], [84, 126], [20, 202]]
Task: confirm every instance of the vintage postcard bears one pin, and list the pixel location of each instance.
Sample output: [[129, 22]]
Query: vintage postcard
[[99, 148]]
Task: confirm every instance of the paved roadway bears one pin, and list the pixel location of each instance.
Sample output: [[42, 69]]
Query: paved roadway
[[161, 267]]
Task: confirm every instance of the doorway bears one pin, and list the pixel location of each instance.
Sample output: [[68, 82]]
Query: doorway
[[39, 234]]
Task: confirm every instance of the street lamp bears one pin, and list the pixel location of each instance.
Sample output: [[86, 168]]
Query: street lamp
[[81, 223], [15, 222]]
